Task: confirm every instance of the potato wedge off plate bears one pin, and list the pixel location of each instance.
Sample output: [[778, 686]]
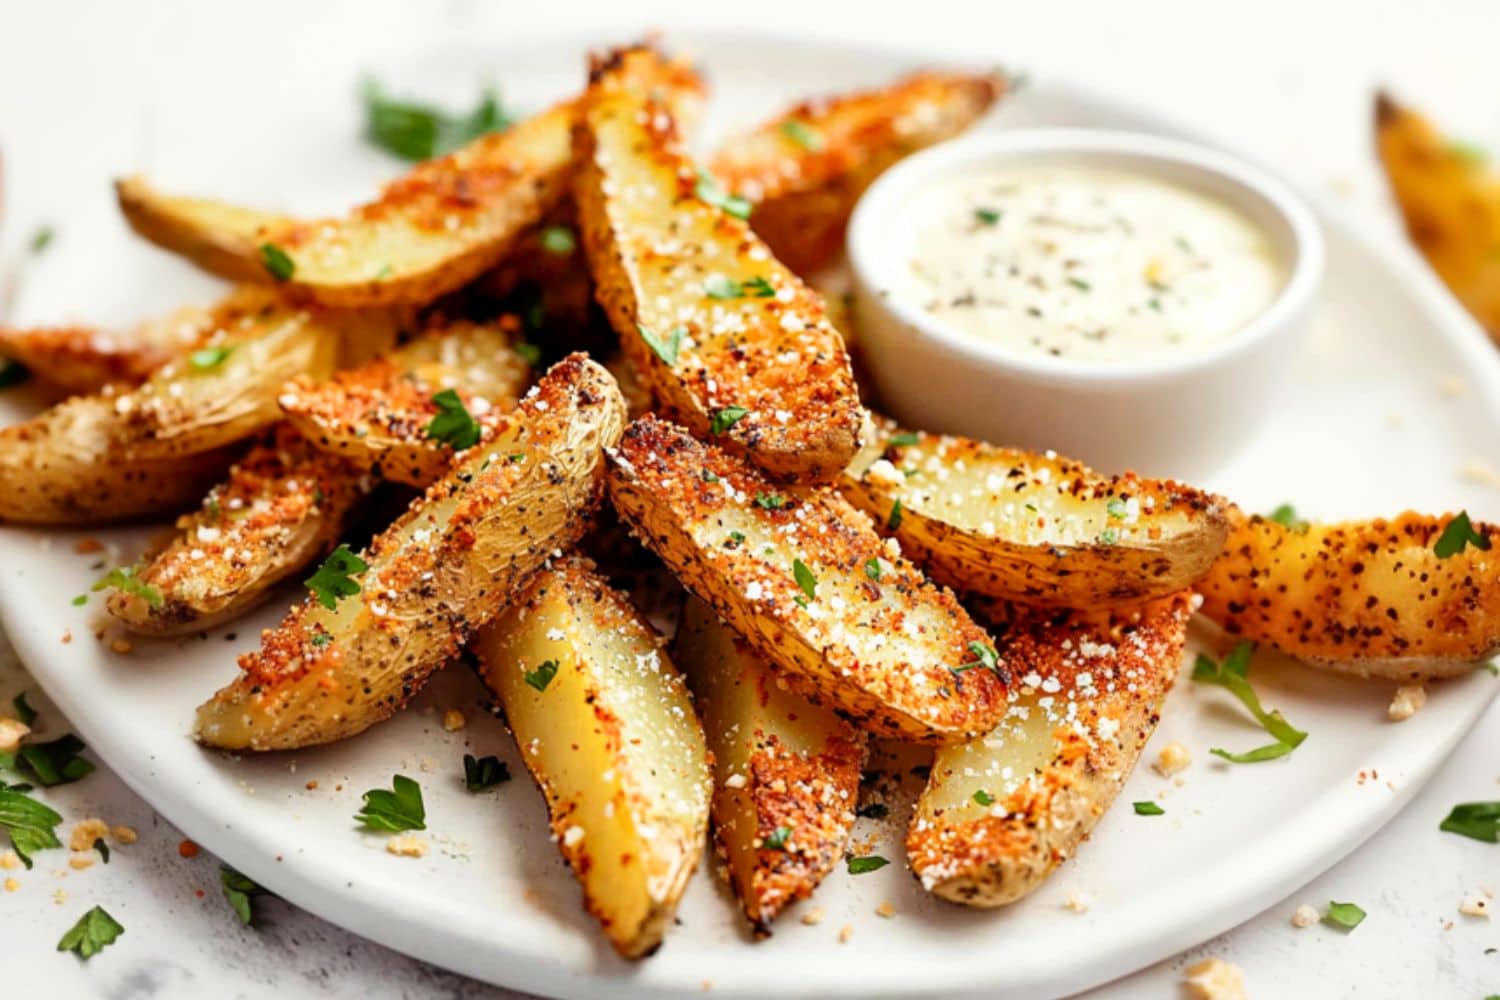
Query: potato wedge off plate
[[1363, 431]]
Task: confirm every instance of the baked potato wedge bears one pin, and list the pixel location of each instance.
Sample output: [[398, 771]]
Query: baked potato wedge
[[786, 772], [1034, 528], [283, 505], [375, 626], [1450, 200], [999, 813], [847, 622], [379, 416], [1376, 598], [85, 359], [804, 169], [438, 227], [731, 343], [606, 726]]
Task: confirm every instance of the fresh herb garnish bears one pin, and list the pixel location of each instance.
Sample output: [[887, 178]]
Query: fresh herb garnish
[[903, 440], [415, 131], [335, 578], [42, 239], [709, 192], [1117, 508], [103, 848], [31, 825], [1148, 809], [664, 349], [484, 772], [805, 579], [987, 216], [867, 863], [777, 838], [803, 135], [723, 287], [542, 675], [558, 240], [453, 425], [1232, 675], [80, 600], [1286, 516], [321, 639], [24, 712], [726, 418], [984, 656], [123, 579], [1108, 536], [757, 287], [736, 539], [1344, 916], [872, 568], [894, 520], [770, 501], [984, 798], [873, 810], [1080, 284], [709, 476], [208, 358], [238, 890], [277, 261], [1475, 820], [12, 373], [1459, 533], [396, 810], [94, 930], [55, 762], [529, 352]]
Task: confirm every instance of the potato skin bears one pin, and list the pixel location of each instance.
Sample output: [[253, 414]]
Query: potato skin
[[83, 359], [1364, 597]]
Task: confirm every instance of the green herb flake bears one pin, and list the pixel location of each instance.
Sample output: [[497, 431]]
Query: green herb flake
[[770, 501], [25, 714], [1286, 516], [987, 216], [665, 349], [805, 579], [757, 287], [542, 675], [1108, 536], [894, 520], [56, 762], [1117, 508], [1458, 534], [1344, 916], [777, 838], [1148, 809], [1475, 820], [42, 238], [123, 579], [335, 578], [238, 890], [736, 539], [803, 135], [529, 352], [80, 600], [558, 240], [321, 639], [32, 826], [872, 567], [903, 440], [415, 131], [984, 656], [1232, 675], [984, 798], [277, 262], [484, 772], [709, 192], [867, 863], [709, 476], [103, 848], [94, 931], [396, 810], [453, 425], [12, 373], [206, 359], [726, 418], [1080, 284]]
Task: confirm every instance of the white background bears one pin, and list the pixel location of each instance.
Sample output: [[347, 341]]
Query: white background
[[1289, 82]]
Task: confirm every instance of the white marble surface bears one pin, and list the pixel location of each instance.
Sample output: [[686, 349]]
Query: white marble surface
[[1288, 81]]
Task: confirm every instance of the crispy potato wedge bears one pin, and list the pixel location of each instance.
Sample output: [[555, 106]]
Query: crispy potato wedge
[[606, 727], [1450, 200], [999, 813], [1038, 529], [456, 559], [804, 169], [1366, 597], [730, 342], [438, 227], [805, 579], [85, 359], [786, 771], [377, 416], [283, 505]]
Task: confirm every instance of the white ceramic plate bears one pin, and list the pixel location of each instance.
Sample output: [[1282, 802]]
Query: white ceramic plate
[[1364, 430]]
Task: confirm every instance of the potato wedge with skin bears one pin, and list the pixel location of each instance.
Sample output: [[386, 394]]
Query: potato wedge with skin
[[377, 416], [283, 506], [85, 359], [730, 342], [606, 727], [999, 813], [456, 559], [1037, 529], [1364, 597], [804, 170], [786, 771], [803, 577], [1450, 201]]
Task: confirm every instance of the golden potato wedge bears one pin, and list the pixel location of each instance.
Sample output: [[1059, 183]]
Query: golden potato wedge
[[730, 342], [786, 771], [803, 577], [85, 359], [999, 813], [1450, 200], [606, 727], [375, 626], [378, 416], [1037, 529], [283, 505], [438, 227], [1374, 598], [804, 169]]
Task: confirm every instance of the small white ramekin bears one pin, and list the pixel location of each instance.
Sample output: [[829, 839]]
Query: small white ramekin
[[1166, 415]]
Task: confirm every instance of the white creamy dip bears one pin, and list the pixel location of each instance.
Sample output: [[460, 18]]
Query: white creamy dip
[[1089, 264]]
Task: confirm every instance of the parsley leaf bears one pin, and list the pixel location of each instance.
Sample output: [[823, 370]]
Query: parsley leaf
[[987, 216], [1117, 508], [984, 798], [1459, 533], [770, 501], [1475, 820], [872, 568], [664, 349], [31, 825], [903, 440], [416, 131], [1286, 516], [1344, 916], [24, 712], [558, 240], [453, 425], [542, 675], [12, 373], [123, 579], [237, 890], [776, 840], [277, 261], [42, 238], [484, 772], [805, 579], [55, 762], [723, 287], [94, 930], [894, 520], [394, 811], [1080, 284], [726, 418], [709, 192], [1148, 809], [1232, 676], [803, 135], [335, 578], [208, 358], [868, 863], [984, 656]]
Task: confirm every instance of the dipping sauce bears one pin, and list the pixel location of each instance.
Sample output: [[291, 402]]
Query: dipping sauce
[[1089, 264]]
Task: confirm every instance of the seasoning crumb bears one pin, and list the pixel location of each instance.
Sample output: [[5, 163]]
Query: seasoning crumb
[[845, 933], [1215, 979], [78, 862], [121, 646], [813, 917], [85, 832], [60, 897], [1409, 698], [11, 732], [1174, 757], [426, 765], [735, 781], [453, 720], [10, 861], [1078, 902], [187, 849], [1304, 916], [407, 845], [125, 835], [1478, 472], [67, 636], [1478, 903], [88, 546], [887, 909], [312, 785], [11, 885]]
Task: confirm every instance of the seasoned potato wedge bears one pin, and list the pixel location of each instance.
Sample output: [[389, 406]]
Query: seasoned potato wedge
[[1037, 529], [432, 230], [999, 813], [375, 626], [1450, 199], [805, 169], [805, 579], [377, 416], [1367, 597], [786, 771], [606, 727], [283, 505], [84, 359], [730, 342]]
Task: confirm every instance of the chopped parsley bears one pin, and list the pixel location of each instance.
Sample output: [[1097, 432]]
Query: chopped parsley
[[736, 539], [335, 578], [1475, 820], [894, 520], [776, 840], [80, 600], [805, 579], [1458, 534], [726, 418], [803, 135], [395, 810], [484, 772], [321, 639], [558, 240], [12, 373], [94, 931], [103, 848], [987, 216], [709, 192], [1344, 916], [24, 712], [873, 810], [723, 287], [542, 675], [42, 238], [903, 440], [984, 798], [208, 358], [1117, 508], [867, 863], [1080, 284], [770, 501], [1232, 675], [55, 762], [1108, 536], [709, 476], [1148, 809], [238, 890], [32, 826], [664, 349], [277, 261], [1286, 516], [123, 579], [453, 424], [984, 656], [415, 131], [872, 568]]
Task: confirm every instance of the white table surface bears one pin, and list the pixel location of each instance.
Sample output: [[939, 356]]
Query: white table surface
[[1288, 81]]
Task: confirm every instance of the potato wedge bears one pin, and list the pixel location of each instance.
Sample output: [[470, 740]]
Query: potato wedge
[[283, 505], [1450, 200], [786, 771], [1038, 529], [999, 813], [606, 727], [730, 342], [377, 416], [84, 359], [338, 663], [804, 169], [805, 579], [1366, 597], [438, 227]]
